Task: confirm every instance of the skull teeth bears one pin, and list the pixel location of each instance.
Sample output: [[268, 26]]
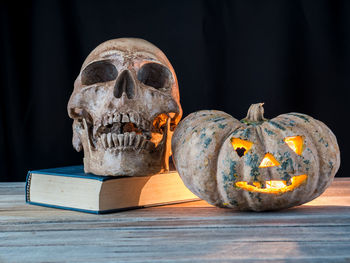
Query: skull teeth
[[134, 118], [115, 139], [132, 138], [116, 117], [111, 122], [137, 141], [123, 131], [126, 140], [121, 139], [109, 140], [104, 140], [125, 118]]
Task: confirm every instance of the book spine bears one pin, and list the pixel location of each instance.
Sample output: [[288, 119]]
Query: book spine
[[27, 188]]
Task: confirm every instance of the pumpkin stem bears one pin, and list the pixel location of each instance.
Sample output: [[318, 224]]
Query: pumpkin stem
[[255, 113]]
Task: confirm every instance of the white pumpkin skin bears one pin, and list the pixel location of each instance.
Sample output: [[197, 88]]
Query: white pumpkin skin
[[195, 148], [210, 167]]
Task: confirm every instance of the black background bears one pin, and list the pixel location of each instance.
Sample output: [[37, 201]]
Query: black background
[[292, 55]]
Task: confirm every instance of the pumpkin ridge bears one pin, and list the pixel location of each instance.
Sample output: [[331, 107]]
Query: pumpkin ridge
[[217, 160], [188, 144], [325, 130], [333, 143], [304, 126]]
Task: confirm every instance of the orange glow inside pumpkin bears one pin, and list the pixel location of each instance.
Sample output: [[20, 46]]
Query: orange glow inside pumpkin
[[268, 161], [295, 143], [273, 186], [241, 146]]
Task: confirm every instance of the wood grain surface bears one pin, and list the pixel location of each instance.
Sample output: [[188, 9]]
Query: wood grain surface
[[193, 232]]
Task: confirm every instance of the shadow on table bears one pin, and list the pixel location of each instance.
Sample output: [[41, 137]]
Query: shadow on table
[[318, 208], [201, 211]]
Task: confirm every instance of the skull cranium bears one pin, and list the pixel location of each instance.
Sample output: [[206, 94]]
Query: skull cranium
[[125, 105]]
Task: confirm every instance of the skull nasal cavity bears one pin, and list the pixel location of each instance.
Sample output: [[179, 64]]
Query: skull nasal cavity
[[125, 83]]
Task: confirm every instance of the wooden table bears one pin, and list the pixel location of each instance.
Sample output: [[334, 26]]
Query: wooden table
[[193, 232]]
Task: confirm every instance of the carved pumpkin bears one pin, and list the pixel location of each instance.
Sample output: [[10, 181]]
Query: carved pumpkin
[[255, 164]]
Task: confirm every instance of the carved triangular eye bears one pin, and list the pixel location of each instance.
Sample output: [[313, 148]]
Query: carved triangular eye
[[241, 146], [268, 161], [295, 143]]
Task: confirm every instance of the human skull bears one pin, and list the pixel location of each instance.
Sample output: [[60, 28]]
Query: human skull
[[125, 106]]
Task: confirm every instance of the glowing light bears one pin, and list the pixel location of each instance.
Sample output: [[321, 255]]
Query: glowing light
[[295, 143], [241, 146], [273, 186], [257, 184], [268, 161]]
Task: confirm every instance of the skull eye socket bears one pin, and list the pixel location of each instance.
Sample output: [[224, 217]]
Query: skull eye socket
[[295, 143], [241, 146], [99, 71], [155, 75]]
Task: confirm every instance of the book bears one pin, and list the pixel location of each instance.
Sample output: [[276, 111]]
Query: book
[[71, 188]]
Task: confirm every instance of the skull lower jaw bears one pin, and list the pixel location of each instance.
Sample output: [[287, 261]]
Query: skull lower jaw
[[139, 159], [124, 163]]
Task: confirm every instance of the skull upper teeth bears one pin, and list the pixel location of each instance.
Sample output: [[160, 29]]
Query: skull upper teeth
[[116, 117], [125, 118]]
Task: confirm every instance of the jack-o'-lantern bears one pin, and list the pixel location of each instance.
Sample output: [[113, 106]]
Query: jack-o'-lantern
[[255, 164]]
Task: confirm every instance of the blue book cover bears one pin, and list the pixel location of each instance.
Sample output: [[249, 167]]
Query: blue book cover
[[54, 192], [72, 171]]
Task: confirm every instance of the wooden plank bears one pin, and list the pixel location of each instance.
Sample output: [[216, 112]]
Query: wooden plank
[[194, 232], [149, 251]]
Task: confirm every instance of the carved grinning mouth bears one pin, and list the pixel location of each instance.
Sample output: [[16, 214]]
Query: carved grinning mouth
[[273, 186], [128, 131]]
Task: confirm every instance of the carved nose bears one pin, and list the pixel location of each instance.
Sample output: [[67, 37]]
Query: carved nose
[[125, 84]]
